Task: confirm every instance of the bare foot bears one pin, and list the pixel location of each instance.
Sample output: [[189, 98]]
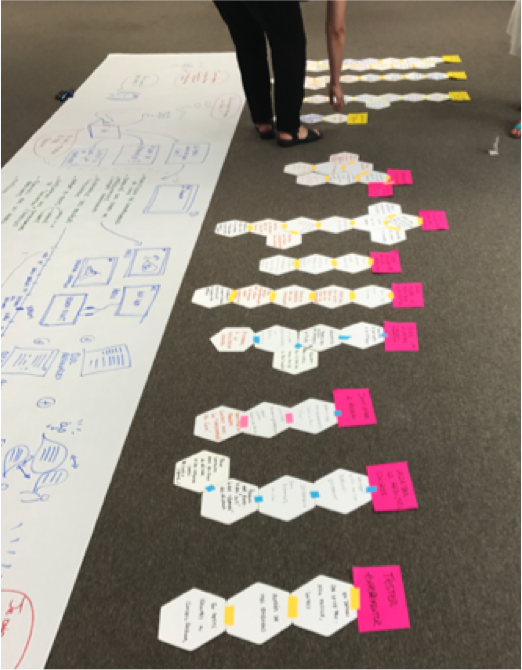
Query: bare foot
[[302, 133], [516, 131], [264, 127]]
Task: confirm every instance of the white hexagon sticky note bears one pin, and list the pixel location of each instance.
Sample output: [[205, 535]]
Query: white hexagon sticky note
[[438, 97], [344, 157], [233, 339], [384, 209], [349, 78], [364, 97], [313, 416], [402, 221], [284, 240], [323, 606], [294, 361], [277, 265], [259, 613], [367, 223], [353, 263], [315, 264], [231, 228], [317, 99], [298, 169], [252, 296], [378, 103], [218, 424], [266, 227], [335, 118], [333, 296], [292, 297], [311, 118], [335, 224], [374, 177], [286, 498], [387, 236], [276, 338], [414, 76], [362, 335], [414, 97], [393, 76], [327, 168], [371, 78], [372, 296], [343, 179], [301, 225], [436, 76], [192, 619], [212, 296], [312, 179], [265, 420], [342, 491], [391, 97], [319, 338], [197, 472], [229, 502]]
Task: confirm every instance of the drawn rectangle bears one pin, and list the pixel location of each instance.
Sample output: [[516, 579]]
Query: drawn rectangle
[[137, 300], [141, 154], [99, 130], [32, 362], [85, 157], [96, 271], [148, 262], [64, 309], [171, 199], [188, 153], [106, 360]]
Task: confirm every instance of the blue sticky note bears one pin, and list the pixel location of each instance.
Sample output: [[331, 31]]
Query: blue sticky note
[[384, 335], [298, 346], [338, 412], [210, 488], [314, 494], [258, 498], [344, 337], [371, 489], [257, 339]]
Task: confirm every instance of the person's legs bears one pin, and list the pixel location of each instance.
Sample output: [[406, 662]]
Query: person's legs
[[249, 39]]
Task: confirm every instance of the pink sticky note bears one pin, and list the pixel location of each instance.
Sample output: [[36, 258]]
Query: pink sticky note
[[289, 418], [383, 601], [394, 487], [400, 177], [356, 407], [386, 262], [434, 220], [401, 336], [243, 422], [377, 189], [407, 295]]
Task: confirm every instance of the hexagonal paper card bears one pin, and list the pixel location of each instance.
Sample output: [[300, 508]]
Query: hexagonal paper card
[[229, 502], [203, 469], [284, 240], [301, 225], [295, 361], [192, 619], [286, 498], [252, 296], [233, 339], [292, 297], [265, 420], [315, 264], [259, 613], [298, 169], [276, 338], [312, 416], [212, 296], [319, 338], [335, 224], [218, 424], [277, 265], [323, 606], [342, 491], [362, 335], [372, 296], [231, 228], [344, 157]]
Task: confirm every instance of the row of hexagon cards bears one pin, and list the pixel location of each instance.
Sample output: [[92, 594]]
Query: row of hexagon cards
[[383, 63]]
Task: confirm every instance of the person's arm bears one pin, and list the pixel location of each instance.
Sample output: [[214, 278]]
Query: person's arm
[[335, 31]]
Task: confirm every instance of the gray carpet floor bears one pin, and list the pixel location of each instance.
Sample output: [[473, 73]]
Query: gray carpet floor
[[451, 411]]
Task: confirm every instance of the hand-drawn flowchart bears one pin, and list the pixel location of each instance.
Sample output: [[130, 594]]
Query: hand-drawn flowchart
[[101, 211]]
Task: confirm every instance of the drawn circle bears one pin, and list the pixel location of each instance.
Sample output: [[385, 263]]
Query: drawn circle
[[46, 402], [41, 340], [87, 339]]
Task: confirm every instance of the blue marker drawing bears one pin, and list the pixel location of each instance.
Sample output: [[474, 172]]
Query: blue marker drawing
[[16, 457], [87, 339], [123, 96], [147, 262], [52, 478], [106, 360], [87, 157], [41, 340], [144, 154], [96, 271], [74, 462], [136, 242], [64, 309], [46, 402], [49, 456], [171, 199], [32, 362], [101, 130], [188, 153], [137, 300]]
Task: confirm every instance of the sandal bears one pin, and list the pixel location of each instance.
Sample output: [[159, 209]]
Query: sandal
[[312, 136], [514, 131], [265, 134]]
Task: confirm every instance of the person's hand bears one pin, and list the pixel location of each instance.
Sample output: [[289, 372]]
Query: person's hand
[[336, 97]]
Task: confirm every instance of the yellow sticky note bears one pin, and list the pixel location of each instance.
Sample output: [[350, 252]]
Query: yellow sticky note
[[284, 226], [393, 228], [451, 59], [334, 262], [355, 599], [311, 296], [229, 615], [352, 295], [292, 607], [458, 96], [272, 296], [420, 221], [294, 232], [296, 263], [250, 227], [457, 75], [327, 178], [318, 224], [352, 223], [371, 261], [391, 295], [232, 296], [363, 173], [391, 216], [357, 119], [343, 167], [314, 168]]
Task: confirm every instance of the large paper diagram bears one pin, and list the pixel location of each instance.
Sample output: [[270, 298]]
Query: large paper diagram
[[100, 212]]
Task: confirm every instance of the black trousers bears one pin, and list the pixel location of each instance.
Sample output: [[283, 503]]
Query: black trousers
[[251, 23]]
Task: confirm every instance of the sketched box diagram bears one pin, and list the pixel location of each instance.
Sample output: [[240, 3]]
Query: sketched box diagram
[[188, 153], [136, 301], [148, 262], [171, 199], [33, 362], [99, 130], [96, 271], [142, 154], [109, 359], [64, 309], [85, 157]]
